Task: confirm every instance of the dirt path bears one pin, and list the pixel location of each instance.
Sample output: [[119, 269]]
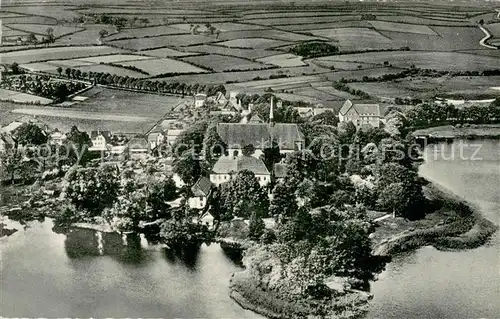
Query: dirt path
[[486, 38]]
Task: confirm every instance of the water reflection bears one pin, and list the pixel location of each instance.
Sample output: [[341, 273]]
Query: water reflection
[[187, 256]]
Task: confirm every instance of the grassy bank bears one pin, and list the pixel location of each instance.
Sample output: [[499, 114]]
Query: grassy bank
[[464, 131], [456, 225]]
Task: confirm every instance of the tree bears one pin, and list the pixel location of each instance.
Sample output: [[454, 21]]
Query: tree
[[32, 38], [103, 33], [92, 189], [15, 68], [59, 70], [393, 198], [68, 72], [61, 92], [10, 163], [248, 150], [50, 35], [213, 146], [242, 196], [188, 166], [325, 118], [256, 227], [159, 193], [271, 155], [283, 203], [30, 134]]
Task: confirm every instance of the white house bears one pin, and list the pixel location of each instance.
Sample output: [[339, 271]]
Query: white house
[[138, 147], [199, 100], [201, 191], [227, 166], [361, 115], [57, 137], [172, 134], [100, 140]]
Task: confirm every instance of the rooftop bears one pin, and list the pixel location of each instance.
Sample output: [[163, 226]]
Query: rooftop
[[361, 108], [228, 164], [202, 187]]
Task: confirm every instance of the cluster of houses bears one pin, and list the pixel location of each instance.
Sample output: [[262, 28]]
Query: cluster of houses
[[252, 130]]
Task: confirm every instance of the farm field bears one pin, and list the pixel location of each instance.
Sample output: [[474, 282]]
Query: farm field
[[352, 38], [302, 20], [162, 41], [422, 21], [113, 58], [385, 90], [45, 54], [283, 60], [59, 112], [494, 29], [42, 29], [29, 19], [8, 95], [401, 27], [276, 84], [223, 27], [167, 53], [241, 53], [220, 63], [53, 11], [253, 43], [303, 28], [327, 62], [426, 60], [90, 36], [8, 32], [163, 66], [111, 70], [126, 102], [359, 74], [325, 91], [268, 34], [143, 32]]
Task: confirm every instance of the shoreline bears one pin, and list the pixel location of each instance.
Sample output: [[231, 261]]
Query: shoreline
[[470, 230], [450, 132]]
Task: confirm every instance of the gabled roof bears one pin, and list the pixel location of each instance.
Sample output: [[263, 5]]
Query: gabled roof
[[259, 134], [154, 135], [138, 143], [361, 108], [227, 164], [7, 139], [105, 134], [202, 187], [11, 127], [256, 119]]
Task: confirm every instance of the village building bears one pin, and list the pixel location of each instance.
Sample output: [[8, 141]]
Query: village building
[[201, 192], [138, 147], [260, 135], [57, 137], [227, 166], [199, 100], [361, 115], [100, 140]]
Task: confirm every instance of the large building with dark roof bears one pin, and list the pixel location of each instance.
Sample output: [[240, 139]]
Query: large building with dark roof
[[360, 114], [227, 166]]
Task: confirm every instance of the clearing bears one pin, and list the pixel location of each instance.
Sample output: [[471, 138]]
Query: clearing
[[283, 60], [19, 97], [220, 63], [452, 61], [163, 66], [401, 27], [253, 43], [45, 54]]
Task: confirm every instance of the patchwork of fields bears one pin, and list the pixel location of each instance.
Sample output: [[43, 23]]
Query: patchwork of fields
[[248, 48]]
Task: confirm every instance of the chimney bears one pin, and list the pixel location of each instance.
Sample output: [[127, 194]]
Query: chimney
[[271, 112]]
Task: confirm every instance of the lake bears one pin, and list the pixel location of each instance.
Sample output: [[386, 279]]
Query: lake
[[433, 284], [45, 274]]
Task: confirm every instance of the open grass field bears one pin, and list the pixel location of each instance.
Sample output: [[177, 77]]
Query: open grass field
[[283, 60], [8, 95], [162, 41], [303, 28], [494, 29], [352, 38], [401, 27], [253, 43], [146, 32], [302, 20], [384, 90], [113, 58], [241, 53], [330, 63], [452, 61], [326, 91], [29, 19], [268, 34], [359, 74], [422, 21], [161, 66], [59, 112], [126, 103], [276, 84], [4, 15], [89, 36], [53, 11], [54, 53], [167, 53], [8, 32], [223, 27], [42, 29], [220, 63]]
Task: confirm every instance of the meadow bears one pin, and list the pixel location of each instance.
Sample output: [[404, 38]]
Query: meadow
[[41, 29], [167, 53], [162, 66], [253, 43], [146, 32], [400, 27], [18, 97], [220, 63], [216, 48], [283, 60], [350, 38], [138, 44], [113, 58], [54, 53]]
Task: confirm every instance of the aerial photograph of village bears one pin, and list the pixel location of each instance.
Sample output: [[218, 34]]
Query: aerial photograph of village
[[250, 159]]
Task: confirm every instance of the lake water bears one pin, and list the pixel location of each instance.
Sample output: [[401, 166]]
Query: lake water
[[44, 274], [432, 284]]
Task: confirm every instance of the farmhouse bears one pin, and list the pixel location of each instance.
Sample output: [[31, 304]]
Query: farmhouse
[[201, 191], [227, 166], [260, 135], [57, 137], [199, 100], [100, 140], [360, 114]]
